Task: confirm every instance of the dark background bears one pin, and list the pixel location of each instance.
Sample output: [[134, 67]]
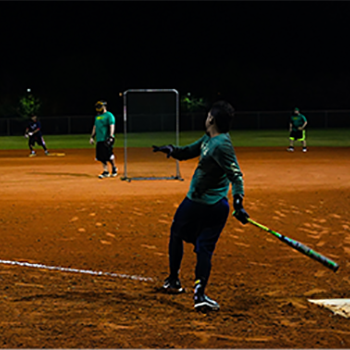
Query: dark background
[[257, 55]]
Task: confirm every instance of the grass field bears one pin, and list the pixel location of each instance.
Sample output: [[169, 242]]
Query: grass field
[[240, 138]]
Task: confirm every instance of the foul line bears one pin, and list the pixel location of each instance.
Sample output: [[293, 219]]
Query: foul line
[[68, 269]]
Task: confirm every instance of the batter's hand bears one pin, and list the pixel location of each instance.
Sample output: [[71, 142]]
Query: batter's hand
[[240, 214], [168, 150], [30, 133]]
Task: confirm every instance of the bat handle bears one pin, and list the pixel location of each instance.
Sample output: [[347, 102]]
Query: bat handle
[[258, 225]]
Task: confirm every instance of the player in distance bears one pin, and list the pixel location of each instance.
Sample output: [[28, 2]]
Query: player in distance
[[202, 215], [34, 134], [297, 127], [104, 129]]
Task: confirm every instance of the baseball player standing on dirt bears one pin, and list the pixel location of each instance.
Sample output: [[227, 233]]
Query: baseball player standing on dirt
[[104, 129], [297, 127], [33, 132], [202, 215]]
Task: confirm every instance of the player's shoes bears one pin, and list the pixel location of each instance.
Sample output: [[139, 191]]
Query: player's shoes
[[103, 175], [172, 286], [47, 153], [304, 150], [203, 303], [114, 172], [32, 154], [290, 149]]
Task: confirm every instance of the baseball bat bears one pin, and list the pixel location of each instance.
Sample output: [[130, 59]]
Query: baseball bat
[[302, 248]]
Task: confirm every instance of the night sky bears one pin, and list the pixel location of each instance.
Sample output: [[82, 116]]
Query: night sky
[[258, 55]]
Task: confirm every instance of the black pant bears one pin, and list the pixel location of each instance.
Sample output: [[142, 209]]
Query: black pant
[[200, 225], [104, 153]]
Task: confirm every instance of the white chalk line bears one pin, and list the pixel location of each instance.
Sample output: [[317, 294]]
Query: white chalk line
[[68, 269]]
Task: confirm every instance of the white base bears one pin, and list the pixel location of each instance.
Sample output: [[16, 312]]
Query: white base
[[338, 306]]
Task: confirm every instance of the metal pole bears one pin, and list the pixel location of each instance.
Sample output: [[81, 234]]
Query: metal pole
[[177, 132], [125, 130], [178, 176]]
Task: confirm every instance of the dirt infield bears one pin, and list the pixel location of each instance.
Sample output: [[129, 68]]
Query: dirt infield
[[56, 212]]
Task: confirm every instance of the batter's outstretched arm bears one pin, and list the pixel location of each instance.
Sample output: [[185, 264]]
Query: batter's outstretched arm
[[188, 152], [181, 153]]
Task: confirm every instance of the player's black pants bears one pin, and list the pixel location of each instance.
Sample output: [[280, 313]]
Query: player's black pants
[[36, 139], [200, 225], [104, 153]]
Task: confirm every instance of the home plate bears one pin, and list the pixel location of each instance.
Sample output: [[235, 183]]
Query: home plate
[[338, 306]]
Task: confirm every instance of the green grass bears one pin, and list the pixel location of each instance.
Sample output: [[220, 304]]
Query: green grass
[[280, 138], [52, 141], [240, 138]]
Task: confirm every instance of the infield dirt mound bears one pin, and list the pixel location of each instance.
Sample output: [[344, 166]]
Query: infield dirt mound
[[55, 211]]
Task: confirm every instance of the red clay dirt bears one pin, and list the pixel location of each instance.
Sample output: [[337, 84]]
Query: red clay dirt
[[56, 212]]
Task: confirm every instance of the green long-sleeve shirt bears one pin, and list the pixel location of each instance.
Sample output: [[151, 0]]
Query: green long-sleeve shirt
[[217, 167]]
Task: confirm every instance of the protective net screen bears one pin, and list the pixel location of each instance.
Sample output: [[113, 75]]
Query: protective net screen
[[150, 118]]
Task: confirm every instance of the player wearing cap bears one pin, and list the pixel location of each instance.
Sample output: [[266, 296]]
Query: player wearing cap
[[33, 132], [297, 126], [104, 129]]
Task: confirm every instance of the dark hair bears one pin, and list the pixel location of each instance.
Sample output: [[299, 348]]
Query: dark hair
[[223, 114]]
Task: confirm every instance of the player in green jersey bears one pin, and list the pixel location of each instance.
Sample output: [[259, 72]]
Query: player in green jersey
[[202, 215], [104, 129], [297, 127]]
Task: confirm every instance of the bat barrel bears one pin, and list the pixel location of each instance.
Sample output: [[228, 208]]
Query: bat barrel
[[302, 248]]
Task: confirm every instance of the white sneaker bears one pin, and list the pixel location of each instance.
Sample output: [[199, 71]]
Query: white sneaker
[[103, 175], [203, 303], [114, 172]]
